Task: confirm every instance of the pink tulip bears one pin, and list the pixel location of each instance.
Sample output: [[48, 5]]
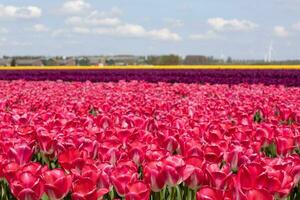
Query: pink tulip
[[141, 139], [57, 184], [137, 191], [27, 186], [21, 153], [284, 145], [136, 154], [248, 174], [171, 144], [89, 171], [154, 175], [121, 177], [10, 170], [295, 172], [104, 122], [258, 194], [71, 159], [174, 168], [3, 161], [193, 175], [207, 193], [46, 141], [85, 189], [213, 153]]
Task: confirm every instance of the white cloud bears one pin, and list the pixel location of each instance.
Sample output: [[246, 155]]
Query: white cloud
[[62, 33], [220, 24], [134, 30], [131, 30], [280, 31], [109, 23], [297, 26], [164, 34], [75, 20], [209, 35], [97, 18], [113, 12], [75, 6], [173, 23], [81, 30], [92, 21], [103, 21], [40, 28], [28, 12], [3, 30], [3, 39], [59, 33], [21, 44]]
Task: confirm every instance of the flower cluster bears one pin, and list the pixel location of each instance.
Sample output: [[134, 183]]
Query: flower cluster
[[268, 75], [141, 141]]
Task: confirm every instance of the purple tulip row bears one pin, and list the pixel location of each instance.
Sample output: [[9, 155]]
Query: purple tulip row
[[268, 77]]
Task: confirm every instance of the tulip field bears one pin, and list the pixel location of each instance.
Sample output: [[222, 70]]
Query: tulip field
[[138, 140], [214, 74]]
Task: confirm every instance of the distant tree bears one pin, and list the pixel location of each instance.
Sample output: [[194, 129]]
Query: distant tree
[[83, 62], [163, 60], [110, 62], [49, 62], [169, 60], [229, 60], [199, 60], [13, 62], [152, 60]]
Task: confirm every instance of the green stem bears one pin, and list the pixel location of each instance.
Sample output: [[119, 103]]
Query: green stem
[[5, 192], [178, 191], [45, 160], [112, 195], [172, 191], [2, 192], [164, 193], [157, 196], [161, 195], [194, 194], [189, 195], [185, 191]]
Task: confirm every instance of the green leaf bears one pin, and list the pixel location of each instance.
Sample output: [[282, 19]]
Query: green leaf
[[270, 150], [258, 118], [297, 150], [44, 197], [93, 111]]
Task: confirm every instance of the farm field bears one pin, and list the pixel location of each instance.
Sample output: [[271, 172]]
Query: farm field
[[214, 74], [138, 140], [149, 100], [253, 67]]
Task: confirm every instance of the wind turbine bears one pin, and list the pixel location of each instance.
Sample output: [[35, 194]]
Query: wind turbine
[[222, 57], [269, 56]]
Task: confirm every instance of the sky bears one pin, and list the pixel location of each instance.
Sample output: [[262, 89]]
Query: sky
[[242, 29]]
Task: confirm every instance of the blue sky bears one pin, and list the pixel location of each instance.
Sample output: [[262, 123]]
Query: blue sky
[[243, 29]]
